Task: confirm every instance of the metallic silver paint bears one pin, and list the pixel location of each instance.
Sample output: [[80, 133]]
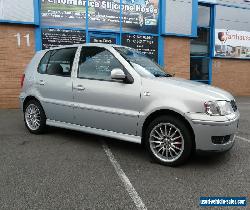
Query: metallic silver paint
[[111, 134], [119, 110]]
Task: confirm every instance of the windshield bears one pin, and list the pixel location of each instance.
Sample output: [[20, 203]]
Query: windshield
[[142, 64]]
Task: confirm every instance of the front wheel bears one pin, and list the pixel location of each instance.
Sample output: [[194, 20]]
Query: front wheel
[[34, 117], [169, 140]]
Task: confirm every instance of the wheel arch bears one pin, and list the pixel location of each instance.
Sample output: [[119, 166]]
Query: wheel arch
[[42, 122], [168, 112], [29, 98]]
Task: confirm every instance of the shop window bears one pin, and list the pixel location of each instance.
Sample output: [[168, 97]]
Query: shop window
[[104, 38], [63, 13], [199, 68], [200, 45], [204, 16], [140, 20], [52, 37], [200, 51], [146, 44]]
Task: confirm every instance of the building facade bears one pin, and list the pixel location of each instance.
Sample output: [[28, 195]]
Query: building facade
[[206, 41]]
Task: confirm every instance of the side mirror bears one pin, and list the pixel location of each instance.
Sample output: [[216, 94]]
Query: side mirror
[[118, 74]]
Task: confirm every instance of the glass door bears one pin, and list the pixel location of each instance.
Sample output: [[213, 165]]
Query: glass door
[[200, 49]]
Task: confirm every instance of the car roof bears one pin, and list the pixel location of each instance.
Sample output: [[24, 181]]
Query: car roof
[[86, 44]]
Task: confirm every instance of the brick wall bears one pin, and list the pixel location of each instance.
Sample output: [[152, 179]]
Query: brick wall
[[232, 75], [177, 56], [13, 60]]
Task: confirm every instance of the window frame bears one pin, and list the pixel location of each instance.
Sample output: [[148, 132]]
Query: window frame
[[40, 62], [210, 47], [196, 42], [201, 59], [204, 5], [47, 63]]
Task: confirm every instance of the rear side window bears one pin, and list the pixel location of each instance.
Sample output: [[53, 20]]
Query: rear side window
[[43, 63], [58, 62]]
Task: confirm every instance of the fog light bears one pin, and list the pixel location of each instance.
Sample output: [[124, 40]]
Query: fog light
[[220, 139]]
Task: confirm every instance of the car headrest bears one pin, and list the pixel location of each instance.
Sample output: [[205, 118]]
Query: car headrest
[[55, 69]]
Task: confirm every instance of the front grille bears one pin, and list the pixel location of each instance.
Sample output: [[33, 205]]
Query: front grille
[[220, 139], [234, 106]]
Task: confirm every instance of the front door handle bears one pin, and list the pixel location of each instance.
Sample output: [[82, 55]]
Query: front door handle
[[79, 87], [41, 82]]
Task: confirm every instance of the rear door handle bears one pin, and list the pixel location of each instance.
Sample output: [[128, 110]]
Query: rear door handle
[[79, 87]]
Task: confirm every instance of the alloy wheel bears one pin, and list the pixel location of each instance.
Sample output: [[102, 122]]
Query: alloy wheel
[[166, 142], [33, 117]]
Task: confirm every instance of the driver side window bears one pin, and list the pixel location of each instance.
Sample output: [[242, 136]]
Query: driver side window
[[97, 63]]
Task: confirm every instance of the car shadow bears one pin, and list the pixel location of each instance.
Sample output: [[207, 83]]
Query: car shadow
[[205, 160], [71, 136], [137, 151]]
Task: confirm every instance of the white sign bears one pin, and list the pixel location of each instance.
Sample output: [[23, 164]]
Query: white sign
[[241, 3], [232, 44], [208, 1], [18, 37], [16, 10]]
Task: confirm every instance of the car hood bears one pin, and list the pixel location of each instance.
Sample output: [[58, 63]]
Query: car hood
[[196, 88]]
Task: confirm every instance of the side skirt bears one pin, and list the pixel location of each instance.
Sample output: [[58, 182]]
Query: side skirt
[[110, 134]]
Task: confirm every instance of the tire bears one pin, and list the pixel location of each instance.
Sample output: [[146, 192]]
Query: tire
[[168, 140], [34, 111]]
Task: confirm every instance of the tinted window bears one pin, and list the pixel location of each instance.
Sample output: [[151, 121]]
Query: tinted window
[[97, 63], [43, 63], [58, 62], [200, 45], [199, 68]]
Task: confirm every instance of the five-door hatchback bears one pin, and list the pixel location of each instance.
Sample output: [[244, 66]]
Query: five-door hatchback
[[117, 92]]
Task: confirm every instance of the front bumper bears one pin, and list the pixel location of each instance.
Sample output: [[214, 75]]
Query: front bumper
[[205, 127], [21, 100]]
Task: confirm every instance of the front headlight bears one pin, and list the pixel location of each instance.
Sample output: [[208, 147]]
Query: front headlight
[[221, 108]]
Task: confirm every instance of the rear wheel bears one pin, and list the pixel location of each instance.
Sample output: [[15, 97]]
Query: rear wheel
[[34, 117], [169, 140]]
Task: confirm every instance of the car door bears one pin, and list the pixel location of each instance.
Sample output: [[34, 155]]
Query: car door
[[54, 84], [101, 102]]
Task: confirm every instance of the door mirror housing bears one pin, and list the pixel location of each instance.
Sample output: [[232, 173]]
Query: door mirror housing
[[118, 74]]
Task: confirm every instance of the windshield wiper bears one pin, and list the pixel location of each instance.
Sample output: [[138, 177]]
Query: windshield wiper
[[163, 75]]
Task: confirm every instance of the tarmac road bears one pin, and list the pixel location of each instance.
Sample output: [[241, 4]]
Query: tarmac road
[[65, 169]]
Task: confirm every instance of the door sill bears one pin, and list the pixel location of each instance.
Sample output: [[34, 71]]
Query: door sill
[[110, 134]]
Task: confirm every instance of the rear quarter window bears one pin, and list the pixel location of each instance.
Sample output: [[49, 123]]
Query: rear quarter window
[[42, 67]]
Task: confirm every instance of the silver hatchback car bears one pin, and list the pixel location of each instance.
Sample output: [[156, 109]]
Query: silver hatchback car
[[117, 92]]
